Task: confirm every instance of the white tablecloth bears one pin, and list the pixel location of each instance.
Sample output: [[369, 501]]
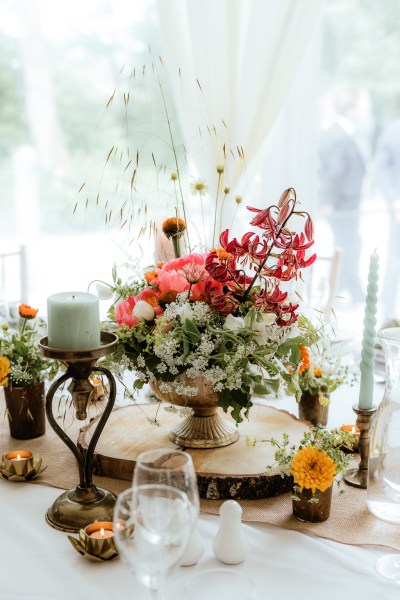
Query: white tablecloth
[[39, 563]]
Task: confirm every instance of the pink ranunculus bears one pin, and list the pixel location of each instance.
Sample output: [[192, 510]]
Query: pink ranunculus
[[124, 312], [171, 276]]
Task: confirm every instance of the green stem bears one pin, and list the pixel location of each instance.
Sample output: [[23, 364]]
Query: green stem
[[176, 245], [175, 158], [220, 214], [23, 326], [215, 211]]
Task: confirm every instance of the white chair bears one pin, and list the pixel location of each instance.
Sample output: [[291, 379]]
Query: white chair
[[322, 283], [14, 276]]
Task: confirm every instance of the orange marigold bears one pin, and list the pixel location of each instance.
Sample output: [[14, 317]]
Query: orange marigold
[[174, 227], [150, 275], [304, 359], [313, 469], [167, 297], [5, 370], [27, 312]]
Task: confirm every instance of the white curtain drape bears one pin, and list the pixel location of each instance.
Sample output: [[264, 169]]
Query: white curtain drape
[[246, 56]]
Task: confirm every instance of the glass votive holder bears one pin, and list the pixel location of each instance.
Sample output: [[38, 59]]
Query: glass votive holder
[[223, 584]]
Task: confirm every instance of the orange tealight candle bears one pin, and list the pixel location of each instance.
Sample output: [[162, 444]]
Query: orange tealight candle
[[356, 433], [19, 455], [102, 534], [99, 391], [18, 462], [98, 538]]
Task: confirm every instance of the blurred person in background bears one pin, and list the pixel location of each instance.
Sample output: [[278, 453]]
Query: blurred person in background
[[342, 159], [387, 160]]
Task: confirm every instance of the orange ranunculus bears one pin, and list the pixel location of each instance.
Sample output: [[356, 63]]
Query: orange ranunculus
[[27, 312], [150, 275], [304, 359]]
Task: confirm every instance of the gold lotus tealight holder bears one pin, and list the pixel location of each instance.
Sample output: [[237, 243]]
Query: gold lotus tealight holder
[[96, 541], [100, 390], [87, 503], [20, 465]]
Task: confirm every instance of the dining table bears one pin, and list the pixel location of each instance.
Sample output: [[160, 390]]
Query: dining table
[[38, 562]]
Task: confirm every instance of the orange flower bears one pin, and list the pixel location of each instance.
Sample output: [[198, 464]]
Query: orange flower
[[304, 359], [313, 469], [27, 312], [174, 227], [160, 264], [317, 371], [223, 254], [150, 275], [167, 297], [5, 370]]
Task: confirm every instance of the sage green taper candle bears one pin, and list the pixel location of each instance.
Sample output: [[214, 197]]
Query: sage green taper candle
[[365, 400]]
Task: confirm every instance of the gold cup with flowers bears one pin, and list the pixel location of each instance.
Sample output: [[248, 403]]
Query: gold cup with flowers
[[315, 463], [22, 374]]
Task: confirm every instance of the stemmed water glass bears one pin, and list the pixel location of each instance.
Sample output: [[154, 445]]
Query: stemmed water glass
[[152, 525], [389, 474], [170, 467]]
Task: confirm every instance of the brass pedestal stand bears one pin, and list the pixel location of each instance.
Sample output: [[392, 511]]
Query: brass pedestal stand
[[76, 508], [359, 477]]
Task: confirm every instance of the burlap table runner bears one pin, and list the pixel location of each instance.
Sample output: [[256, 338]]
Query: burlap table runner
[[350, 521]]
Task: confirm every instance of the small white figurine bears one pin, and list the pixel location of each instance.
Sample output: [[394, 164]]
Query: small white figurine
[[230, 545], [195, 549]]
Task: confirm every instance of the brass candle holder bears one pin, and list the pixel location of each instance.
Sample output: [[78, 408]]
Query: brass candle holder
[[358, 477], [20, 465], [96, 542], [86, 503]]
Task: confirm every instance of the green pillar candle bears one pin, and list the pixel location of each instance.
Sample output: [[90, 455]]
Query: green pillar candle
[[365, 400], [73, 321]]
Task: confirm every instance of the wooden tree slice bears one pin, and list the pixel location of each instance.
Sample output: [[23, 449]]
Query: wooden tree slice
[[235, 471]]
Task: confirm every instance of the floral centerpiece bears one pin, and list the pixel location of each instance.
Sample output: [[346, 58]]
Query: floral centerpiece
[[314, 464], [22, 374], [221, 317]]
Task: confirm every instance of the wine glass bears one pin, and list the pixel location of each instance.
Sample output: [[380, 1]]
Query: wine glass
[[389, 475], [170, 467], [175, 468], [152, 525]]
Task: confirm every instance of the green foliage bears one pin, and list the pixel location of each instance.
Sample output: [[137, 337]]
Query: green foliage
[[26, 361], [331, 442]]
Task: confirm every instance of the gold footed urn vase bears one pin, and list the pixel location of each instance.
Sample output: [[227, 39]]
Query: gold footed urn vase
[[204, 428]]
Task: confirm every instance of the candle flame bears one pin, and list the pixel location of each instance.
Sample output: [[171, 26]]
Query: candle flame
[[353, 429], [18, 457], [102, 532]]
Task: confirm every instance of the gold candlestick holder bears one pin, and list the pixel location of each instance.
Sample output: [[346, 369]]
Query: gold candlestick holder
[[86, 503], [358, 477]]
